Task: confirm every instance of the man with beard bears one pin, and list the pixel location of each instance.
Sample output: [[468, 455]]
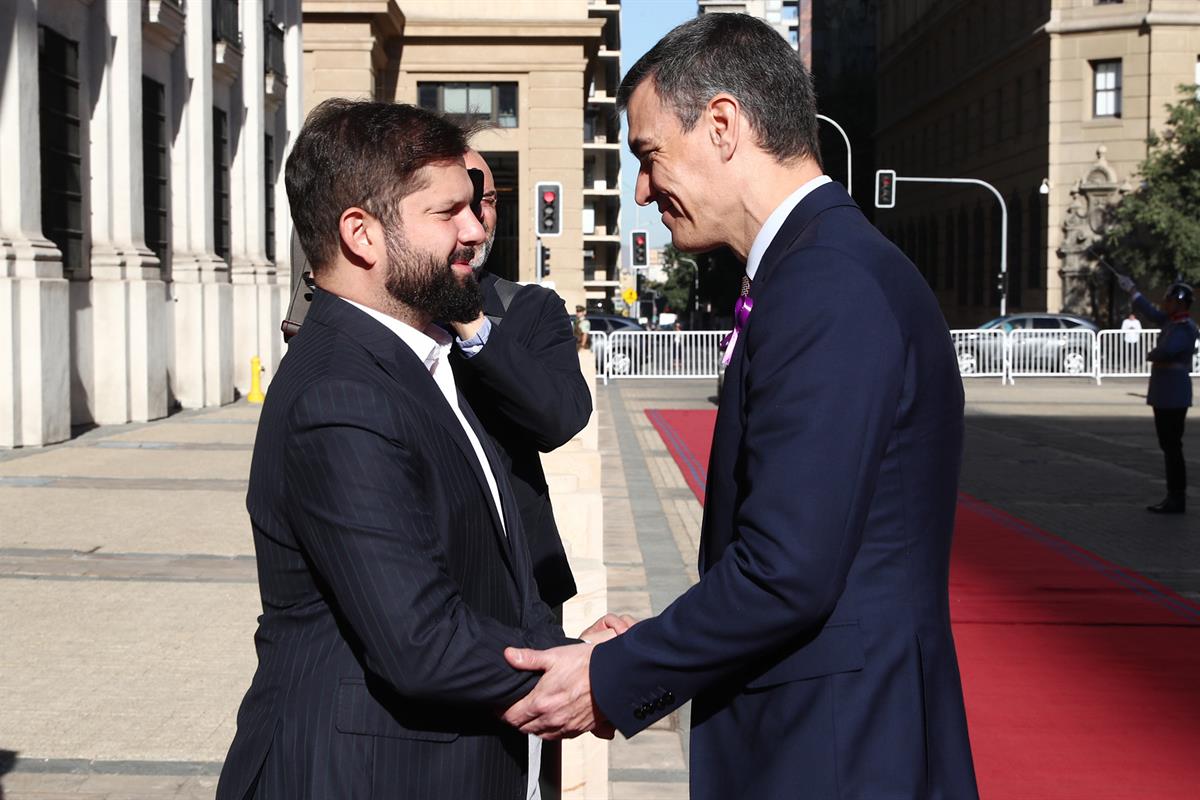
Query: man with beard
[[392, 564], [522, 378]]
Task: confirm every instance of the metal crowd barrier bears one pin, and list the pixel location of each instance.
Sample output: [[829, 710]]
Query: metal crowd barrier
[[660, 354], [1056, 354], [981, 354]]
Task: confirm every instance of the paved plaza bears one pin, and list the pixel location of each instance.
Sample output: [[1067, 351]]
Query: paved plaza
[[128, 586]]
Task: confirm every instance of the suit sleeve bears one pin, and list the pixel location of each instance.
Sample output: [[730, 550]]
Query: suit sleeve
[[530, 370], [360, 509], [825, 360]]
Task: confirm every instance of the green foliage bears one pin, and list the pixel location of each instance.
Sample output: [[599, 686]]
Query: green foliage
[[1155, 231], [677, 288]]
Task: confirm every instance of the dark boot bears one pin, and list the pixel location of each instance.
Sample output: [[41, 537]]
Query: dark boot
[[1171, 505]]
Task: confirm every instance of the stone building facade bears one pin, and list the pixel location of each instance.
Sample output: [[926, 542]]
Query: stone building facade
[[1049, 100], [143, 222], [542, 75]]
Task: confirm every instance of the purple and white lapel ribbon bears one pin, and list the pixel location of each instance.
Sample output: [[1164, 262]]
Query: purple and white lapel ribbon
[[741, 315]]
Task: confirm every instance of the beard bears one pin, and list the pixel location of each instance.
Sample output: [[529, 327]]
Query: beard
[[424, 282], [483, 251]]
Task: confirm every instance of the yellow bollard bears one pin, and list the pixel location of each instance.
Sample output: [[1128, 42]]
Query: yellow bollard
[[256, 393]]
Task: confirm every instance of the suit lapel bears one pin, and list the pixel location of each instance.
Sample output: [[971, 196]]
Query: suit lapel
[[399, 361]]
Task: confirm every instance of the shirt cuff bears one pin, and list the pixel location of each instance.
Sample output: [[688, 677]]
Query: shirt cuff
[[471, 347]]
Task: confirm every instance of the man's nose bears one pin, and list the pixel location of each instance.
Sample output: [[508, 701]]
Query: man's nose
[[641, 189], [470, 231]]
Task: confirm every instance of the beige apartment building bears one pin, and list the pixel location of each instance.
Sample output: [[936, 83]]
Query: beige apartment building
[[1049, 100], [541, 73], [143, 225]]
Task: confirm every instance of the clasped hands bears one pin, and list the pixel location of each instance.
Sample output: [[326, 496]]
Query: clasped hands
[[561, 705]]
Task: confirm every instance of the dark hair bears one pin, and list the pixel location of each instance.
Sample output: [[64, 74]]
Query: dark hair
[[358, 153], [744, 57]]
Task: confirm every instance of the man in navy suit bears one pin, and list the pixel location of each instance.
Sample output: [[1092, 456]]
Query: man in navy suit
[[392, 563], [817, 645]]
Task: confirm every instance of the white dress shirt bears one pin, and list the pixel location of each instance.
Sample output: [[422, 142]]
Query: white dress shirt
[[774, 222], [432, 346]]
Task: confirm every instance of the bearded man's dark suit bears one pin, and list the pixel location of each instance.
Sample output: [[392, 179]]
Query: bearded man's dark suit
[[389, 586], [817, 644], [526, 387]]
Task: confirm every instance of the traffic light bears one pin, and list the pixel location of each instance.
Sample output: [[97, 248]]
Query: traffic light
[[885, 188], [549, 209], [638, 255], [544, 266]]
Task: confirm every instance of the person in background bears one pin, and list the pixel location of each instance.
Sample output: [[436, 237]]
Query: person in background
[[582, 328], [1170, 393]]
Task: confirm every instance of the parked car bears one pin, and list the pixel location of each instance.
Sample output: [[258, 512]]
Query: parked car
[[1040, 351], [610, 324]]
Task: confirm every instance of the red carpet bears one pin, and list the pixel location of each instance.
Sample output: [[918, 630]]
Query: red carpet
[[1082, 679]]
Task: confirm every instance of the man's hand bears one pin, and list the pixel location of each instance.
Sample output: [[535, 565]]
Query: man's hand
[[561, 705], [465, 330], [607, 627], [1126, 283]]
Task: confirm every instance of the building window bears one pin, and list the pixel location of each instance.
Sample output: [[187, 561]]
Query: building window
[[61, 150], [471, 102], [225, 22], [221, 183], [1106, 88], [1109, 2], [269, 194], [155, 167]]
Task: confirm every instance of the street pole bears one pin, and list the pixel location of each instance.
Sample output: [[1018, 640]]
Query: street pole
[[849, 155], [1003, 226], [695, 288]]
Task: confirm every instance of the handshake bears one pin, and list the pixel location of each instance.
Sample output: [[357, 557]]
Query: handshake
[[561, 705]]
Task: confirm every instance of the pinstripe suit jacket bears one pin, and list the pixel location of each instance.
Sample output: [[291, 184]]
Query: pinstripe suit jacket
[[389, 587]]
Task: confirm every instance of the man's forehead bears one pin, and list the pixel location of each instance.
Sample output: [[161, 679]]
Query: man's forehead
[[644, 114], [444, 179]]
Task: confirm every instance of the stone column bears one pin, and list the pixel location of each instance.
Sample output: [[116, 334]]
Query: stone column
[[202, 366], [255, 304], [35, 400], [129, 361]]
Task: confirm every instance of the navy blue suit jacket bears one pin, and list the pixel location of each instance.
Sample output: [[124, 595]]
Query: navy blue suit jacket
[[527, 388], [389, 587], [817, 644]]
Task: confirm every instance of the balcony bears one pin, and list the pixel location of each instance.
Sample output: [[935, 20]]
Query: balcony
[[162, 23]]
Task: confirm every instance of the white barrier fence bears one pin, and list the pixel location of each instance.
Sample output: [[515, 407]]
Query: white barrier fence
[[1056, 353], [981, 354]]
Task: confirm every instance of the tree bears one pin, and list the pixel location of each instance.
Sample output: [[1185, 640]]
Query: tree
[[1154, 232]]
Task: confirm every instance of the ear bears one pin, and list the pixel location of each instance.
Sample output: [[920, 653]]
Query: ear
[[362, 237], [724, 116]]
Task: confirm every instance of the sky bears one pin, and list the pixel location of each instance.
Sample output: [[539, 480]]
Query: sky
[[644, 22]]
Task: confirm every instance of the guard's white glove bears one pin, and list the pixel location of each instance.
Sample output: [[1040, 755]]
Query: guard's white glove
[[1126, 283]]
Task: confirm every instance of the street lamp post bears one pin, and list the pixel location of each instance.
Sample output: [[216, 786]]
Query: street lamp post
[[849, 155]]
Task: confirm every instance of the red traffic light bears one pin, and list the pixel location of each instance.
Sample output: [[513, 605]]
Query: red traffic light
[[548, 196], [639, 240]]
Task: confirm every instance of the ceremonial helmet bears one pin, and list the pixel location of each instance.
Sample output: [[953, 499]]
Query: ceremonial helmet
[[1181, 292]]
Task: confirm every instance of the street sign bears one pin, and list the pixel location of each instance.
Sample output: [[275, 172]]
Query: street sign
[[629, 296]]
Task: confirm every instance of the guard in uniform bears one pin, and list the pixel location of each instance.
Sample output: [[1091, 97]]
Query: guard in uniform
[[1170, 392]]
